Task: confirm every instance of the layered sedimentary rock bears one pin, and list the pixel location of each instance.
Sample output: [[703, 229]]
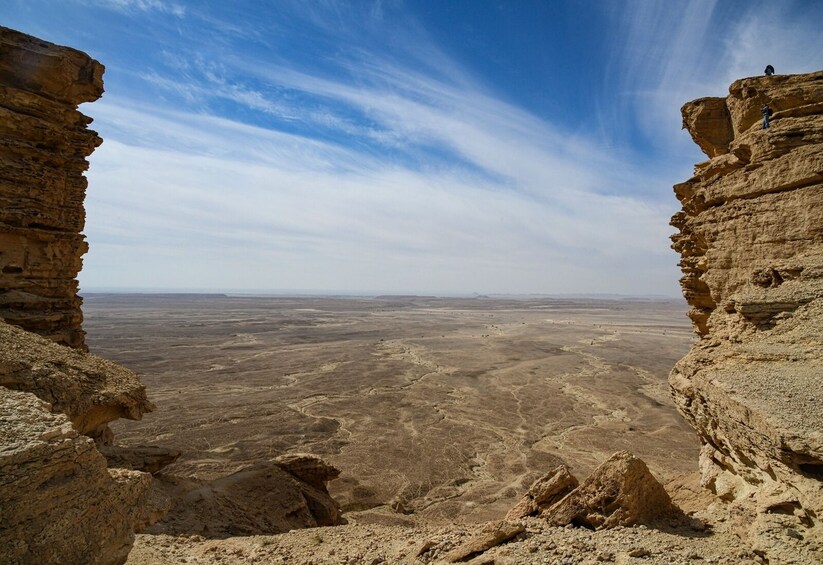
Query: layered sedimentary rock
[[60, 504], [751, 241], [546, 491], [44, 142]]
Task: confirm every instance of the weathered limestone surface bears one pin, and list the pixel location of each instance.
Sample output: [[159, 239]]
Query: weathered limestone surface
[[90, 390], [60, 504], [751, 244], [44, 142]]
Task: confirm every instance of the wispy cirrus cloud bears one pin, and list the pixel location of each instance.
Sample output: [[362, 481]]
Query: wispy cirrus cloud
[[161, 6], [328, 146], [524, 208], [665, 54]]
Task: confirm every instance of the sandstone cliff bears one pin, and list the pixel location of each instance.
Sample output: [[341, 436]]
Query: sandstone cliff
[[751, 241], [44, 142]]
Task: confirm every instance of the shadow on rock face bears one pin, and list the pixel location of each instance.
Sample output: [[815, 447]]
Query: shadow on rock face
[[267, 498]]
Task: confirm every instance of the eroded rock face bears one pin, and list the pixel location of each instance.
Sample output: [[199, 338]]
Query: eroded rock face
[[44, 142], [90, 390], [751, 241], [60, 504]]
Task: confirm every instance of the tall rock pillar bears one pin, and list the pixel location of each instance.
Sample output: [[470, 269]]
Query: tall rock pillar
[[44, 142]]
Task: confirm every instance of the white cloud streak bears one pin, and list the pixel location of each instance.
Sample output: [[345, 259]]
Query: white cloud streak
[[160, 6], [247, 207]]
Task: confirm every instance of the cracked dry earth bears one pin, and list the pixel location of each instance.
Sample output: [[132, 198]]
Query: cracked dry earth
[[437, 411]]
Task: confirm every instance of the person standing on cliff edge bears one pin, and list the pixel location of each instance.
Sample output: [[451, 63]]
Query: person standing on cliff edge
[[769, 70], [767, 113]]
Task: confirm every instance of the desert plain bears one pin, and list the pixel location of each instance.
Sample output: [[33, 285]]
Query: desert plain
[[436, 410]]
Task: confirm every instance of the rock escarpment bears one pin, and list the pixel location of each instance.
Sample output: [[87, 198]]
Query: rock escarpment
[[286, 493], [751, 241], [60, 503], [44, 142]]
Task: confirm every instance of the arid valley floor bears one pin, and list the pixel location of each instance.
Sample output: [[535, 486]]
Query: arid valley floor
[[434, 409]]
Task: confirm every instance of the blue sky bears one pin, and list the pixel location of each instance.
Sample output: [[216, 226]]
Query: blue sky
[[402, 146]]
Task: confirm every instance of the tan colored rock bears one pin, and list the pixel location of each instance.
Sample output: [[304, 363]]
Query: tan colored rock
[[751, 244], [60, 504], [492, 534], [620, 492], [709, 123], [545, 492], [90, 390], [44, 142], [308, 468], [262, 499]]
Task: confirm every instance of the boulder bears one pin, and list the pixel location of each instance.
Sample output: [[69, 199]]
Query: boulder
[[620, 492], [490, 535]]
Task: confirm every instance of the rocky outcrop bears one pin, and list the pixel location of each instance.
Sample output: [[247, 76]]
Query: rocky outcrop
[[490, 535], [620, 492], [90, 390], [751, 244], [44, 142], [267, 498], [60, 504]]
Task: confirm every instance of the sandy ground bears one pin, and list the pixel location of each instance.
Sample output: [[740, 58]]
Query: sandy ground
[[436, 410]]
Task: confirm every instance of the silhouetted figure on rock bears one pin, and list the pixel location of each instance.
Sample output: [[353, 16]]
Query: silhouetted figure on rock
[[769, 70], [767, 113]]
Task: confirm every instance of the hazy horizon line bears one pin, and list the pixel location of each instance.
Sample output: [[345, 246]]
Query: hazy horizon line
[[331, 293]]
